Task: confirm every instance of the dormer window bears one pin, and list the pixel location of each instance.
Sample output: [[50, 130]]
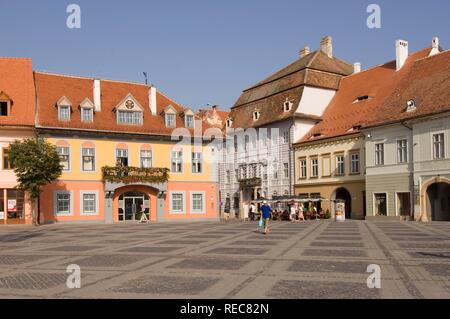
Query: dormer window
[[87, 110], [287, 106], [189, 121], [64, 112], [256, 115], [170, 120], [5, 104], [410, 106], [129, 111], [64, 109]]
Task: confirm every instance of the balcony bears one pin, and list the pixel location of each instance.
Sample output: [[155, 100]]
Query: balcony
[[130, 175], [250, 182]]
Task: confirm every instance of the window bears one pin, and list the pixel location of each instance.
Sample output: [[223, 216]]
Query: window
[[88, 160], [235, 139], [146, 158], [129, 117], [177, 162], [177, 203], [340, 165], [6, 160], [63, 203], [314, 167], [197, 203], [379, 154], [256, 115], [4, 108], [64, 157], [302, 168], [287, 106], [121, 157], [438, 146], [402, 151], [190, 121], [246, 142], [64, 112], [264, 172], [229, 122], [354, 163], [87, 114], [89, 203], [228, 175], [236, 175], [286, 137], [196, 162], [286, 170], [170, 120], [380, 203], [275, 171]]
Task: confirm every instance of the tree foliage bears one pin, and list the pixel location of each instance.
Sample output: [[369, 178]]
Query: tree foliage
[[36, 163]]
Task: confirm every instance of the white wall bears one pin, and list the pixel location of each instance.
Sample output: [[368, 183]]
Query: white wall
[[314, 100]]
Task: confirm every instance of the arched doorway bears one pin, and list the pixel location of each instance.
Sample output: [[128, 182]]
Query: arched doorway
[[438, 201], [344, 195], [130, 201]]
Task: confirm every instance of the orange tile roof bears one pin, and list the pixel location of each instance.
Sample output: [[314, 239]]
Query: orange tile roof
[[51, 87], [16, 81], [345, 115]]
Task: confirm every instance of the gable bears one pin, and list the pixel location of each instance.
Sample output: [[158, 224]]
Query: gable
[[129, 103]]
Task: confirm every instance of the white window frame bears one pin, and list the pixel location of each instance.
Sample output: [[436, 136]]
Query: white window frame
[[179, 157], [125, 117], [141, 157], [338, 163], [69, 157], [301, 167], [376, 154], [312, 167], [387, 202], [171, 210], [203, 210], [91, 114], [86, 192], [352, 161], [170, 123], [286, 137], [433, 155], [189, 124], [60, 109], [405, 160], [55, 203], [82, 161], [123, 149], [286, 170], [195, 161]]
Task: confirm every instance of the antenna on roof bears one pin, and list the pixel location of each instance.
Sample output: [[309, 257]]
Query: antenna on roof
[[146, 78]]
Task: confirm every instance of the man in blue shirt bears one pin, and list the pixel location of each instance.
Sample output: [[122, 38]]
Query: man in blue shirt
[[266, 210]]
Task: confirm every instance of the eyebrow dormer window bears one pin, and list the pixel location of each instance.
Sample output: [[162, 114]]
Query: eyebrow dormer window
[[256, 115], [64, 112], [189, 121], [362, 98]]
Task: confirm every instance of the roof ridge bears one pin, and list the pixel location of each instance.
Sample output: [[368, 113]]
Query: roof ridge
[[14, 58]]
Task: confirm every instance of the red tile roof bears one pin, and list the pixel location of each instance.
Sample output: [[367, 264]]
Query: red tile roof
[[16, 81], [423, 78], [51, 87]]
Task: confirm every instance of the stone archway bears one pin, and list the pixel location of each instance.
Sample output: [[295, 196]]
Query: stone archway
[[435, 200], [131, 197], [343, 194]]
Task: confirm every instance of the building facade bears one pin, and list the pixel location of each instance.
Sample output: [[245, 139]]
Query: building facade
[[258, 158], [124, 147], [17, 107]]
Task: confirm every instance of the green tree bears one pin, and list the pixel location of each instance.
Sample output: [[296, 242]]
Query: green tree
[[36, 164]]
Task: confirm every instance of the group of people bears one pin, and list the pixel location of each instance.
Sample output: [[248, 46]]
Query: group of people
[[296, 213]]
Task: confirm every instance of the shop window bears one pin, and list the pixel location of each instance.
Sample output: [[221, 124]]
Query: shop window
[[380, 203], [15, 204]]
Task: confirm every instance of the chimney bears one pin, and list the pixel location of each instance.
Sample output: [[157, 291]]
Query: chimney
[[357, 67], [434, 46], [326, 46], [97, 96], [152, 99], [304, 52], [401, 53]]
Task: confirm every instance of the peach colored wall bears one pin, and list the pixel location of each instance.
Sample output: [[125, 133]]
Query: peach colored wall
[[210, 190], [143, 189], [47, 201]]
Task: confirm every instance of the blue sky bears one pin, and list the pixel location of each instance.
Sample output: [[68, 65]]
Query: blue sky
[[200, 51]]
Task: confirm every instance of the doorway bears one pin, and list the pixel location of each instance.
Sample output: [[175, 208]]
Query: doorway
[[438, 201], [131, 204], [343, 195]]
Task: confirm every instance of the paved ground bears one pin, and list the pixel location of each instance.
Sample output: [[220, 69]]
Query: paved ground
[[316, 259]]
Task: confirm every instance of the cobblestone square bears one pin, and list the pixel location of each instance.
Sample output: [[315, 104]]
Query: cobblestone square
[[315, 259]]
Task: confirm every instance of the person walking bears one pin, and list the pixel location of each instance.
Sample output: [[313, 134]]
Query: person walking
[[266, 210], [300, 213], [293, 212], [252, 211]]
